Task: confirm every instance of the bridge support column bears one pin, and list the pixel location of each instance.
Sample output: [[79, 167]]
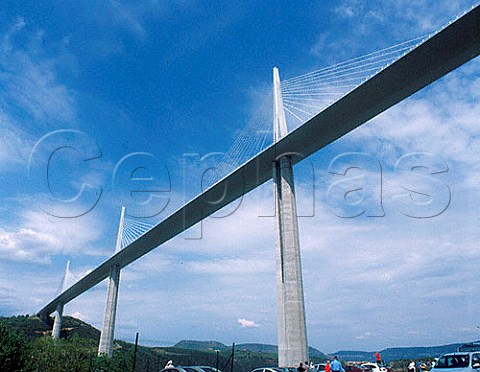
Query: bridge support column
[[105, 346], [106, 338], [57, 324], [292, 330]]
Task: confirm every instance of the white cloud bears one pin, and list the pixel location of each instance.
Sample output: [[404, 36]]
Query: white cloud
[[79, 315], [30, 77], [30, 85], [383, 23], [14, 246], [110, 21], [365, 335], [401, 15], [40, 236], [244, 323]]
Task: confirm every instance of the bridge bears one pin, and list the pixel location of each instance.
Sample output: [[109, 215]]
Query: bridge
[[449, 48]]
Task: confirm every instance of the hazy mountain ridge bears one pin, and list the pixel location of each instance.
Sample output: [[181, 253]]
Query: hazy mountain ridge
[[255, 347], [200, 345], [397, 353]]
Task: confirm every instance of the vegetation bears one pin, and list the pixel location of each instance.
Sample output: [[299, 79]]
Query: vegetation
[[26, 345], [13, 350]]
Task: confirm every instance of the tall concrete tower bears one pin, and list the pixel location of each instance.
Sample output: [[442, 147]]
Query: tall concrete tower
[[105, 346], [292, 330], [58, 314]]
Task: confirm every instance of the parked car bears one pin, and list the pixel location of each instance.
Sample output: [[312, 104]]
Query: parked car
[[176, 369], [274, 369], [190, 369], [373, 367], [458, 362], [353, 368], [320, 367], [208, 369]]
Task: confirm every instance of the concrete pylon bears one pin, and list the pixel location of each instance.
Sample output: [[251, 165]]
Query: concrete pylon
[[292, 330], [105, 346], [57, 324], [58, 314]]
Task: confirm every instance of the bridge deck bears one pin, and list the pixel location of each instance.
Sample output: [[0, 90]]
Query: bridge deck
[[445, 51]]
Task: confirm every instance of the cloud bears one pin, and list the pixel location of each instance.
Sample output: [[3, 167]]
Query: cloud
[[41, 236], [14, 246], [364, 336], [30, 79], [79, 315], [403, 14], [244, 323], [109, 26], [129, 16], [32, 95], [358, 20], [231, 266]]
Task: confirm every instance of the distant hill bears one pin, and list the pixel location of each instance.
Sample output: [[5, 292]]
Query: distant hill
[[253, 347], [273, 349], [215, 345], [398, 353], [200, 345], [33, 326], [355, 355], [417, 352], [314, 353], [259, 348]]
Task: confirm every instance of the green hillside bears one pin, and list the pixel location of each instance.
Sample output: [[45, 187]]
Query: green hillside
[[201, 345], [253, 347], [33, 327], [26, 340]]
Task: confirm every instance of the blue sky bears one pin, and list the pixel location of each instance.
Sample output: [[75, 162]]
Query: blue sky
[[93, 92]]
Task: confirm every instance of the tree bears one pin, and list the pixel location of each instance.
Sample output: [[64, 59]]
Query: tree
[[13, 350], [72, 354]]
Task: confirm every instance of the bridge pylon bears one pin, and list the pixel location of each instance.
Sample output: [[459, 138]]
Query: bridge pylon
[[57, 324], [58, 314], [292, 330], [105, 346]]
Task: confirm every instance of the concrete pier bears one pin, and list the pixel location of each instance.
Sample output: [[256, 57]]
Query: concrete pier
[[105, 346], [106, 339], [57, 324], [292, 331]]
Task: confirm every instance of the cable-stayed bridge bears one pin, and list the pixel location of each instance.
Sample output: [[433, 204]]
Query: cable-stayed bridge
[[325, 104]]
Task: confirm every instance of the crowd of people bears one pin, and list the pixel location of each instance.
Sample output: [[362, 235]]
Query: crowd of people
[[419, 366], [335, 366], [331, 366]]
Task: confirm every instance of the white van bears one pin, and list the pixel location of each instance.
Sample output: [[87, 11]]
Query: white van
[[458, 362]]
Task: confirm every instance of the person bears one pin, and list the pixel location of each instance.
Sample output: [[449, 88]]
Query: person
[[300, 368], [312, 367], [306, 366], [411, 366], [419, 366], [327, 366], [336, 366], [169, 364], [378, 358]]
